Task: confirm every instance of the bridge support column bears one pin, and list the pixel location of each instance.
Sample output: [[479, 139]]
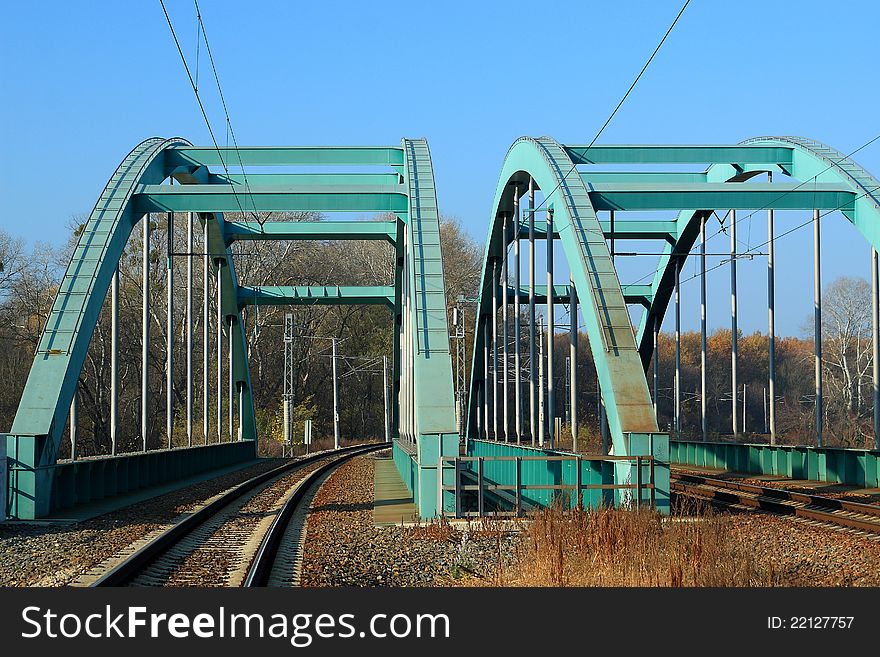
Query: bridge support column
[[231, 386], [486, 377], [541, 407], [206, 338], [655, 445], [875, 332], [771, 323], [704, 425], [219, 265], [573, 357], [551, 406], [817, 304], [505, 337], [74, 423], [495, 350], [656, 359], [145, 334], [517, 328], [734, 338], [533, 370], [678, 348], [114, 362], [430, 447], [30, 478], [169, 330], [189, 329]]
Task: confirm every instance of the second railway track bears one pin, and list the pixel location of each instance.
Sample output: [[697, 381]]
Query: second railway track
[[855, 516], [234, 538]]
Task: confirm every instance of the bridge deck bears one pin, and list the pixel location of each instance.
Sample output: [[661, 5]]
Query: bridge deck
[[392, 502]]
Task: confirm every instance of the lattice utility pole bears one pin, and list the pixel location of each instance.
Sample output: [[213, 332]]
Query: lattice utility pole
[[458, 338], [287, 396]]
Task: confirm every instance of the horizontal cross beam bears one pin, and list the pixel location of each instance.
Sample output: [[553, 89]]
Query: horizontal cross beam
[[629, 177], [777, 196], [316, 295], [635, 294], [284, 156], [306, 179], [683, 154], [623, 230], [310, 230], [233, 198]]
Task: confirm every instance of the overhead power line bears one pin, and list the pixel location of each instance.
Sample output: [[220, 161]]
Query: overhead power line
[[199, 101], [622, 101]]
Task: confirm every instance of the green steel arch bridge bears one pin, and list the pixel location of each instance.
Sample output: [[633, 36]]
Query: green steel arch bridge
[[510, 439]]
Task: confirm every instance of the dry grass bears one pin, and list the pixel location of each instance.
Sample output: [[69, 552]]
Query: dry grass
[[608, 547]]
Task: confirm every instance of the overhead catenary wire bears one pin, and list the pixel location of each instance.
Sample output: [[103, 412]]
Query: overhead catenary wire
[[786, 233], [199, 101], [619, 104], [226, 112]]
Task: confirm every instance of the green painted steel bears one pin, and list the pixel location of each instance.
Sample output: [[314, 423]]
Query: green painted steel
[[629, 177], [307, 179], [603, 307], [541, 473], [827, 181], [33, 442], [315, 295], [94, 479], [422, 410], [192, 156], [813, 163], [853, 467], [594, 471], [698, 196], [739, 154], [233, 198], [427, 420], [623, 230], [311, 230]]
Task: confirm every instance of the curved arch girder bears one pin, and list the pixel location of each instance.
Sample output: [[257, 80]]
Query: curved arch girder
[[627, 400], [35, 436], [427, 395]]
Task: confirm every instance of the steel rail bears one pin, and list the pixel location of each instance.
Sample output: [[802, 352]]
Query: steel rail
[[853, 515], [127, 570], [261, 568]]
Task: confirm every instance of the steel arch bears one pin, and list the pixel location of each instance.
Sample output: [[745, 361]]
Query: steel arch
[[423, 406], [609, 329], [35, 437]]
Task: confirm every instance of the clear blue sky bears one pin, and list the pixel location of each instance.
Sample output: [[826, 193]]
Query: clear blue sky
[[83, 82]]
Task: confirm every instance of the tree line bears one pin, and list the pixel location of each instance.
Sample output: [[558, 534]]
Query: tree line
[[29, 277]]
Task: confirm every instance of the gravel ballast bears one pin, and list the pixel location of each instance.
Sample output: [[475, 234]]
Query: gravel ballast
[[56, 554], [344, 548]]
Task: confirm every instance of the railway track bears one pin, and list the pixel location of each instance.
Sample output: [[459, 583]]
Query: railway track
[[234, 538], [862, 518]]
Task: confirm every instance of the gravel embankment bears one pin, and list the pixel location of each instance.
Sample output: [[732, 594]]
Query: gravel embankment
[[344, 548], [797, 554], [55, 554]]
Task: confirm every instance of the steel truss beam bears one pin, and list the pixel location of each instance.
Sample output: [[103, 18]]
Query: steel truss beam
[[310, 230], [315, 295], [232, 198]]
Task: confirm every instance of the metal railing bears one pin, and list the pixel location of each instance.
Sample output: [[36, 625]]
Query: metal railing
[[514, 493]]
